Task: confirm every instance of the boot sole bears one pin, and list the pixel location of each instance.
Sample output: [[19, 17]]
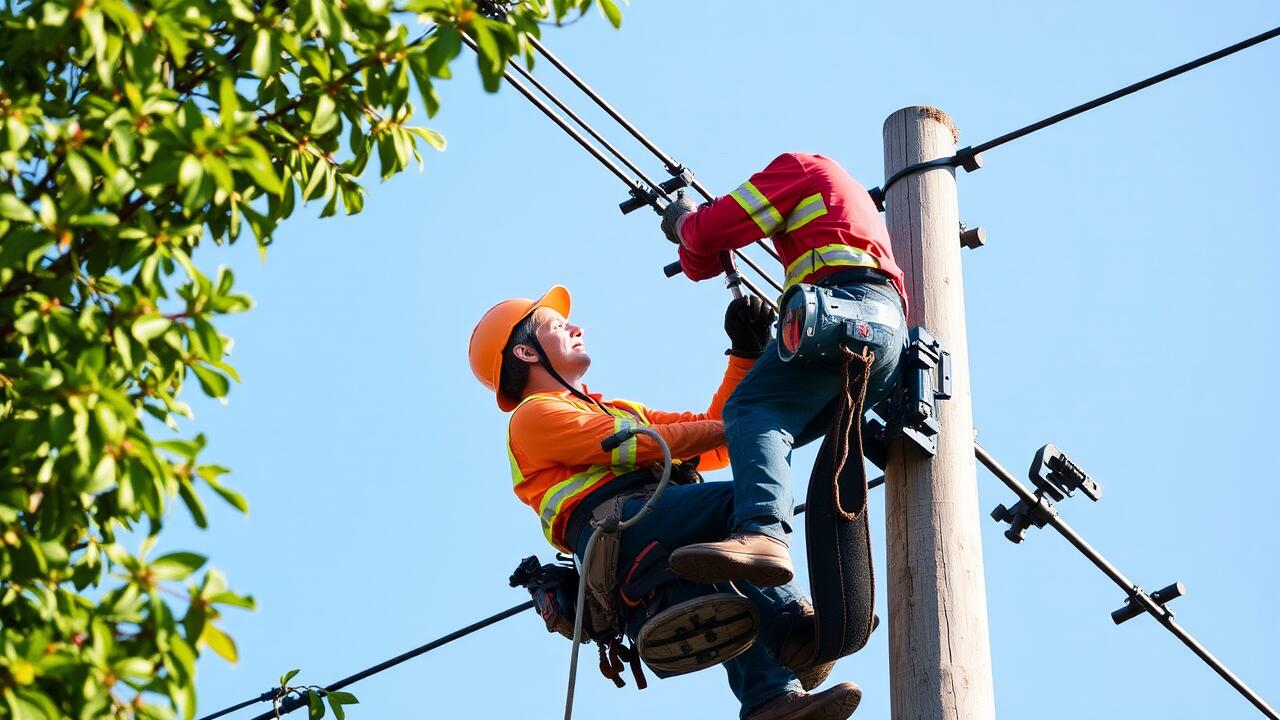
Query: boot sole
[[759, 570], [833, 704], [838, 709], [698, 633]]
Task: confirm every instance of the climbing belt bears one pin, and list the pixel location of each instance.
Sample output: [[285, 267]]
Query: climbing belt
[[839, 541]]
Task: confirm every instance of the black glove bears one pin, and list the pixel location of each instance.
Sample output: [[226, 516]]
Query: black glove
[[747, 322], [678, 208]]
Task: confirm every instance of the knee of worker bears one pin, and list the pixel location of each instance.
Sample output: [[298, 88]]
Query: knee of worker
[[756, 440]]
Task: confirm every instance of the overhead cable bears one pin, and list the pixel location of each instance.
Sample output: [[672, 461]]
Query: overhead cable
[[288, 705], [969, 159]]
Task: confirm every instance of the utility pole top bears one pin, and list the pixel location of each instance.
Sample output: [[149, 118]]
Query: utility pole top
[[939, 647]]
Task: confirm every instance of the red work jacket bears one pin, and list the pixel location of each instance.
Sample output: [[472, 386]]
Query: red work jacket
[[821, 221]]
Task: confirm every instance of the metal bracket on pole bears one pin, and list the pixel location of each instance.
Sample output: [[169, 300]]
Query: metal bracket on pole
[[911, 412]]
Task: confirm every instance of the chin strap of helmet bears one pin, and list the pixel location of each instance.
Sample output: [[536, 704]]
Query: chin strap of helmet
[[546, 364]]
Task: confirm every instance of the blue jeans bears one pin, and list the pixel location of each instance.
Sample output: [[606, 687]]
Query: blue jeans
[[687, 514], [780, 405]]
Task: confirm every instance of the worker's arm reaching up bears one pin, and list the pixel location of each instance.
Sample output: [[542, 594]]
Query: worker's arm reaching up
[[758, 208]]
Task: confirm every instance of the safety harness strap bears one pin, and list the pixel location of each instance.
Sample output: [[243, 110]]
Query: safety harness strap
[[839, 540]]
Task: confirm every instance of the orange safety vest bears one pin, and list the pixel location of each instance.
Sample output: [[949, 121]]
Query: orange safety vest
[[553, 443], [555, 492]]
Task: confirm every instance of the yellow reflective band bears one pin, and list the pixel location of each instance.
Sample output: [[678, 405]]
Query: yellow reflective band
[[838, 255], [516, 476], [809, 209], [624, 454], [556, 497], [758, 207]]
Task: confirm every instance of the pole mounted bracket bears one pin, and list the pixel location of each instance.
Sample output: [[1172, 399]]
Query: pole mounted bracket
[[964, 158], [1056, 478], [911, 411], [1133, 607]]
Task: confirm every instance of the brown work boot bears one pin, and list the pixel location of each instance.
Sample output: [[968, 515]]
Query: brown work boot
[[837, 703], [758, 559], [798, 647]]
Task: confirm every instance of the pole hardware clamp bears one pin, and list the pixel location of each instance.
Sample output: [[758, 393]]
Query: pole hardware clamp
[[1056, 478], [964, 158], [972, 237], [1053, 473], [912, 410], [1132, 608], [642, 196]]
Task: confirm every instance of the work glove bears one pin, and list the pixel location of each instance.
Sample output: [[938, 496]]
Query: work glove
[[678, 208], [747, 322]]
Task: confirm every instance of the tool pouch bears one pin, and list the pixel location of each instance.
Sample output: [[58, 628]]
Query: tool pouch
[[602, 585], [838, 538]]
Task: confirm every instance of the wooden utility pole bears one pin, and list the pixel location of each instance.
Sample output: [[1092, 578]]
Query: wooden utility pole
[[939, 649]]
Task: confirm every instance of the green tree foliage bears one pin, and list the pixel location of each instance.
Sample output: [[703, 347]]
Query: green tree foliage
[[131, 132]]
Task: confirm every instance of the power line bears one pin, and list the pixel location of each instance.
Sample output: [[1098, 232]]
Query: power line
[[968, 157], [293, 703], [1127, 90]]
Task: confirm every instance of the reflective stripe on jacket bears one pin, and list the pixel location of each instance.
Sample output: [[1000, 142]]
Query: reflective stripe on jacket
[[819, 219], [553, 444]]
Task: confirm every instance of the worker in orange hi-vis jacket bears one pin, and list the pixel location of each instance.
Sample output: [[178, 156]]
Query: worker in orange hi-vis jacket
[[828, 233], [534, 360]]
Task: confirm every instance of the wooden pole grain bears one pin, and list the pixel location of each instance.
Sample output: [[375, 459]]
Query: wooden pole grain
[[939, 647]]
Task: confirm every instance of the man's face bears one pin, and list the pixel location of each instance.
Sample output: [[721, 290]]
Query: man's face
[[562, 341]]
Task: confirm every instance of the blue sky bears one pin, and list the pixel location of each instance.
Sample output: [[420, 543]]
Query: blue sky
[[1122, 310]]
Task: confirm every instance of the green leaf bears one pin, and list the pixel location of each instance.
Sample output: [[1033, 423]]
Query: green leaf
[[264, 55], [337, 699], [219, 642], [433, 138], [150, 326], [101, 220], [213, 383], [176, 565], [14, 209], [285, 678], [315, 705], [191, 172], [610, 11], [325, 119]]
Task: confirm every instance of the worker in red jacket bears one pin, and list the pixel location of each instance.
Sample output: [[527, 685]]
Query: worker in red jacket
[[827, 232]]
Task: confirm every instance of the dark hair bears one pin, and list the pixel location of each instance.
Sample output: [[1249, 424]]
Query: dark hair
[[513, 375]]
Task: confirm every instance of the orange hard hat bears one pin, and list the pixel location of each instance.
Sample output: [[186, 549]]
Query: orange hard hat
[[494, 330]]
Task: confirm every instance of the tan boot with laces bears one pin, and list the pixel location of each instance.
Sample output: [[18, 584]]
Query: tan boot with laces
[[758, 559], [836, 703]]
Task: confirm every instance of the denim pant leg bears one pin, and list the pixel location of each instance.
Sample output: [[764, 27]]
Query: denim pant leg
[[687, 514], [780, 405]]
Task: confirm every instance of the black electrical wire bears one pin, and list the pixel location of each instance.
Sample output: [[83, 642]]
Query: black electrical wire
[[1163, 615], [1127, 90], [671, 165], [967, 156], [293, 703]]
